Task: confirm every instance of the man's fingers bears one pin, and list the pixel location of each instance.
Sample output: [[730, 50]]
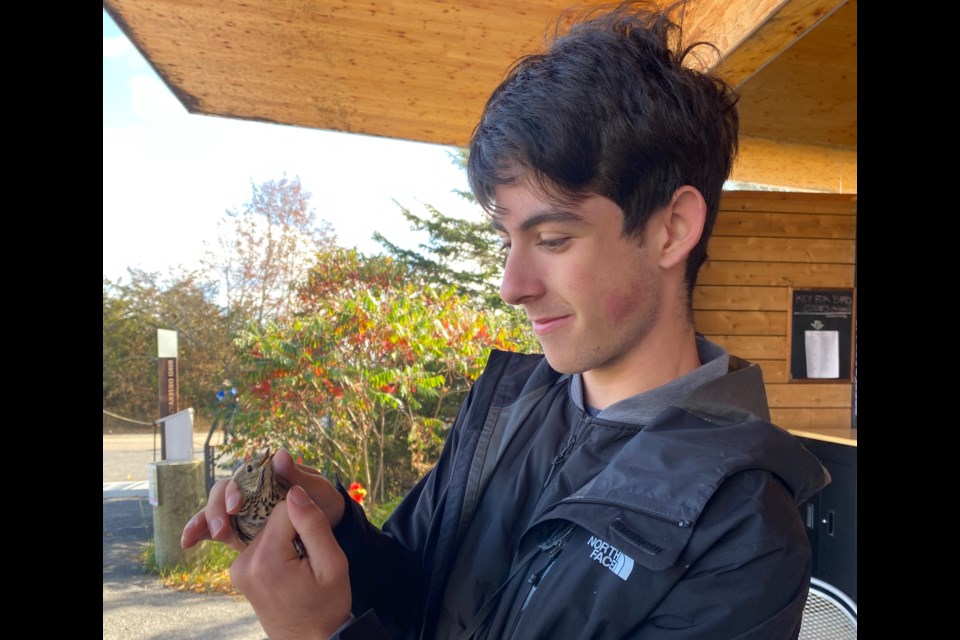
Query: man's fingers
[[233, 499], [278, 533], [309, 521], [289, 470], [283, 461], [213, 522], [299, 516], [321, 492], [293, 596], [195, 531]]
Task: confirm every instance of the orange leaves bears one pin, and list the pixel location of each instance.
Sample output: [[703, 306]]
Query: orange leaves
[[200, 582]]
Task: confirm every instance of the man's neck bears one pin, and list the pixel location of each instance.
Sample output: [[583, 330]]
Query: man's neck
[[663, 357]]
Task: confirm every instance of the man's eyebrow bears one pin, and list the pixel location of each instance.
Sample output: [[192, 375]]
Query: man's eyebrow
[[542, 218]]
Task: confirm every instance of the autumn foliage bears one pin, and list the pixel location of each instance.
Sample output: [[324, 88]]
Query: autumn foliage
[[366, 380]]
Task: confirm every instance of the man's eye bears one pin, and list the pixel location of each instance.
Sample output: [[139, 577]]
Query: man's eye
[[552, 242]]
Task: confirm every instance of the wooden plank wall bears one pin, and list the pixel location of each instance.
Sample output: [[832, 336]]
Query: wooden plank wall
[[763, 244]]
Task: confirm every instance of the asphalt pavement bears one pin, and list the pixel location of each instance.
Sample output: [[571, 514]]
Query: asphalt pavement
[[136, 606]]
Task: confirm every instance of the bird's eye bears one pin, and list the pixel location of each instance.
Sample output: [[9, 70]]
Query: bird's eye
[[249, 468]]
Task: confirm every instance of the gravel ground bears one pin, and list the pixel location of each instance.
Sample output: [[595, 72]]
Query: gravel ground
[[135, 605]]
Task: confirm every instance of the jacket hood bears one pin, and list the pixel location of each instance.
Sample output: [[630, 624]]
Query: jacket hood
[[676, 462], [650, 494]]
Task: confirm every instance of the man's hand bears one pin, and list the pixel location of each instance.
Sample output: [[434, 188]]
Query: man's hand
[[295, 597], [213, 521]]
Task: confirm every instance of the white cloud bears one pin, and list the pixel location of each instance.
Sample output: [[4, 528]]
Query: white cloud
[[115, 47]]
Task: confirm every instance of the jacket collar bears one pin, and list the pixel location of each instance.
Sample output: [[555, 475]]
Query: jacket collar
[[643, 407], [695, 440]]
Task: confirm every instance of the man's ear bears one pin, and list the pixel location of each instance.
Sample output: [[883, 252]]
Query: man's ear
[[683, 225]]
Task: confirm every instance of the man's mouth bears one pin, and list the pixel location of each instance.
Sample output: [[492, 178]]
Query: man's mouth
[[547, 324]]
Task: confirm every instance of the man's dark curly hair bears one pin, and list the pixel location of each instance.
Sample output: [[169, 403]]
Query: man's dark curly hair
[[610, 108]]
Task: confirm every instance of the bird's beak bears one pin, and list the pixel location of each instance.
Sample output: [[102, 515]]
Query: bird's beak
[[266, 458]]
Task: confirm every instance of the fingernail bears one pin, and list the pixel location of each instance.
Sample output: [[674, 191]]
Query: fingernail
[[233, 502], [298, 496], [216, 526]]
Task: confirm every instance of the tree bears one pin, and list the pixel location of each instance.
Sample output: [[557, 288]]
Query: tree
[[133, 311], [129, 363], [264, 250], [466, 254], [460, 252], [366, 381]]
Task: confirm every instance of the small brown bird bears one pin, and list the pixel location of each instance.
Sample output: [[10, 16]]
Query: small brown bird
[[261, 490]]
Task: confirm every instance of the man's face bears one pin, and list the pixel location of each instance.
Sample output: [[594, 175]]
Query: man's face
[[592, 294]]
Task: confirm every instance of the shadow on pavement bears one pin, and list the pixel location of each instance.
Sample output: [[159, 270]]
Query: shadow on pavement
[[137, 607]]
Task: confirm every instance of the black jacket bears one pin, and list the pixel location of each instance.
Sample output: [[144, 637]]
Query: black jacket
[[683, 527]]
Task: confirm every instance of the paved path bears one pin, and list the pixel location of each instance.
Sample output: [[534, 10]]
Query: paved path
[[136, 606]]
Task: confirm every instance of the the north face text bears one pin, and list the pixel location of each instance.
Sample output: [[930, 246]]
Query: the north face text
[[610, 557]]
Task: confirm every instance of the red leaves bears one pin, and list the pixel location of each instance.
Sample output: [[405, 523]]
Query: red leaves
[[361, 368], [261, 389], [333, 389], [357, 492]]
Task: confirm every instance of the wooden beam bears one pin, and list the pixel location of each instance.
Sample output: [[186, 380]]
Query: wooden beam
[[802, 167], [775, 274], [751, 33]]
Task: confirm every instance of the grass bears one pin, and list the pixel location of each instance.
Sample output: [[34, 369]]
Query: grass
[[212, 574], [377, 514]]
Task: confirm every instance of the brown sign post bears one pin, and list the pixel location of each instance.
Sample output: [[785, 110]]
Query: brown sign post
[[169, 386]]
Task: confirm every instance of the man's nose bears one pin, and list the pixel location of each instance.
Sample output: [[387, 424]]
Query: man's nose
[[521, 280]]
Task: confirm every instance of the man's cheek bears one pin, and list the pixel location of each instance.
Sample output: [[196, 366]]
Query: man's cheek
[[618, 307]]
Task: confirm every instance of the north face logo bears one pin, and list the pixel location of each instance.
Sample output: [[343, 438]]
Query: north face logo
[[610, 557]]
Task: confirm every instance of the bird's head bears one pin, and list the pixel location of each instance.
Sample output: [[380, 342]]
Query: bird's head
[[251, 476]]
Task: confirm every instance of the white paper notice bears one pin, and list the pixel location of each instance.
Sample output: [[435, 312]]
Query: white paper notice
[[823, 354], [178, 435]]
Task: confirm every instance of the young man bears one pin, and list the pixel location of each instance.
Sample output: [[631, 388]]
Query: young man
[[627, 483]]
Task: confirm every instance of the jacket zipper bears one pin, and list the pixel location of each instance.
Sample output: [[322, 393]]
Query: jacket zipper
[[534, 581], [683, 524], [557, 459]]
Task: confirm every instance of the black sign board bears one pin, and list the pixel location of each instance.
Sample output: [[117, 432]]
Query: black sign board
[[821, 334]]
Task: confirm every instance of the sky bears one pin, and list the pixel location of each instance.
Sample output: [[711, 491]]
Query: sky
[[169, 176]]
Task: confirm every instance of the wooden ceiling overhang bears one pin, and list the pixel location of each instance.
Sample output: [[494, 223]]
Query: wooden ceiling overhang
[[422, 69]]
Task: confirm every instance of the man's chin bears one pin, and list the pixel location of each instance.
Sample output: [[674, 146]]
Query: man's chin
[[560, 364]]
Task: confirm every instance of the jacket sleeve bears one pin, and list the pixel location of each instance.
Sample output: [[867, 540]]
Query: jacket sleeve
[[751, 582], [390, 570]]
